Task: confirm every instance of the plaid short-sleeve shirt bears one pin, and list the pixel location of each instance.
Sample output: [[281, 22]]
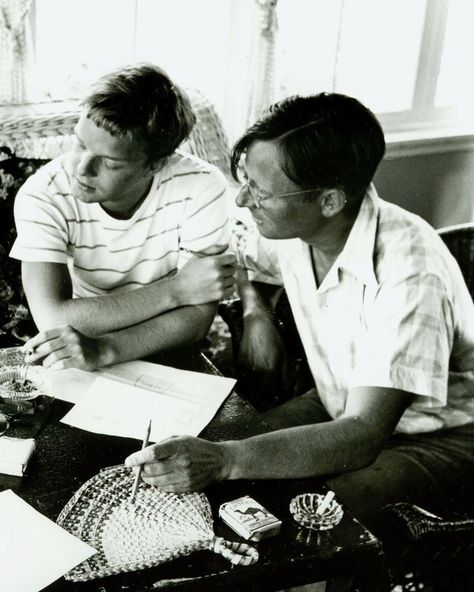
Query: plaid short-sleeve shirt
[[393, 311]]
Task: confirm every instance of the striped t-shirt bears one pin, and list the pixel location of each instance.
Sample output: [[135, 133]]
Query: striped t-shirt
[[187, 206], [393, 311]]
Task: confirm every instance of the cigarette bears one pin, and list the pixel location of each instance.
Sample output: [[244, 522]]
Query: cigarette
[[323, 506]]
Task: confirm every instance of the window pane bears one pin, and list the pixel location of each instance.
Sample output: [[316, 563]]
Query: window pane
[[189, 39], [202, 44], [77, 41], [456, 79], [306, 44], [379, 50]]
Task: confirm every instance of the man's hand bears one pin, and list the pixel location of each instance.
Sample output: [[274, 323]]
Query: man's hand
[[64, 347], [182, 463], [263, 360], [207, 277]]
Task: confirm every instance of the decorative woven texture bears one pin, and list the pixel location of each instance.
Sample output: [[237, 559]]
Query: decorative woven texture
[[425, 551], [208, 139], [262, 62], [11, 356], [38, 135], [16, 49], [155, 528], [46, 135], [460, 241]]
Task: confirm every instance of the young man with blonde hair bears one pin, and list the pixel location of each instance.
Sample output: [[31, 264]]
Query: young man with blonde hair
[[102, 230]]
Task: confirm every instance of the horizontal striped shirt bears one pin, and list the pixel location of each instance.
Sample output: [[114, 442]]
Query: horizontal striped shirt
[[393, 311], [187, 205]]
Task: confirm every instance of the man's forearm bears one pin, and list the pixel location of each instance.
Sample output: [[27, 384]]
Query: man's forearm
[[180, 327], [103, 314], [257, 298], [305, 451]]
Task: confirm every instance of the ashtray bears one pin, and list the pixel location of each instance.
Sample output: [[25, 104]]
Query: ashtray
[[22, 382], [316, 511]]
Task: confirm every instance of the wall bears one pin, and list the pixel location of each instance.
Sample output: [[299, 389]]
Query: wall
[[437, 186]]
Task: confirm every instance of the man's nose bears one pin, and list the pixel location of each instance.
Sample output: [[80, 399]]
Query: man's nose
[[244, 199], [85, 164]]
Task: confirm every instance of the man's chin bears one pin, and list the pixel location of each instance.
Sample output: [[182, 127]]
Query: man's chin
[[83, 194], [266, 233], [274, 233], [85, 197]]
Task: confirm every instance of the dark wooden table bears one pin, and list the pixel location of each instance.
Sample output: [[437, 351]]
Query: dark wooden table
[[66, 457]]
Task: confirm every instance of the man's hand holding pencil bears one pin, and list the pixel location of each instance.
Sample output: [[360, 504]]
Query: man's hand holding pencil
[[182, 463], [139, 471], [208, 276]]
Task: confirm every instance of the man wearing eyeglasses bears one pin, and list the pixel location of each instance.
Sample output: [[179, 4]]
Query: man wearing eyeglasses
[[382, 310]]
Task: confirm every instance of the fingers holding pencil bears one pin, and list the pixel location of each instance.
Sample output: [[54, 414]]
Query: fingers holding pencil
[[140, 468]]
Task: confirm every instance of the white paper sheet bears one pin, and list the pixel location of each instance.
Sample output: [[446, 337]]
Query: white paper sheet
[[121, 400], [34, 551]]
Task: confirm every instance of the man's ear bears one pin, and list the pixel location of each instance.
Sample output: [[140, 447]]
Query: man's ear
[[156, 165], [332, 202]]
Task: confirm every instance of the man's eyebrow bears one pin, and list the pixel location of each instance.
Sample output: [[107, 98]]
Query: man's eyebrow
[[105, 155]]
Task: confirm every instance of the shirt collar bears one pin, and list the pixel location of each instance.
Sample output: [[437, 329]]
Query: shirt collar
[[357, 256]]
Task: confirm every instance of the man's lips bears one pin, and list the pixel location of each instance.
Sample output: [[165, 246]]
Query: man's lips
[[83, 185]]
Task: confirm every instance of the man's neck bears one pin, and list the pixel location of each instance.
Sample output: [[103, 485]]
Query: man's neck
[[330, 239], [128, 212], [326, 246]]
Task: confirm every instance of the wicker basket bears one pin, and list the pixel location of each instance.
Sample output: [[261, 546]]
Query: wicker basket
[[128, 536]]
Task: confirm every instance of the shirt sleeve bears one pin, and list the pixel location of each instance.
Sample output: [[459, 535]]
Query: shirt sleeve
[[206, 221], [42, 232], [408, 339]]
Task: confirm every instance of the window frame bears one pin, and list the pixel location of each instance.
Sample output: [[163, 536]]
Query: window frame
[[423, 116]]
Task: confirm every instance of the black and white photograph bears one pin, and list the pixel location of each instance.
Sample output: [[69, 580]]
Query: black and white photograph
[[236, 296]]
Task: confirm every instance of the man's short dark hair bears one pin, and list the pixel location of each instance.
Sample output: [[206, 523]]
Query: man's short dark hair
[[142, 102], [327, 140]]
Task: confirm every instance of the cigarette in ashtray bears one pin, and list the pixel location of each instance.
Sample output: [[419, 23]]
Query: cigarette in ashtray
[[324, 505]]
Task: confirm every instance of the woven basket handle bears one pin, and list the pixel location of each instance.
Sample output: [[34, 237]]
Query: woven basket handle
[[236, 553]]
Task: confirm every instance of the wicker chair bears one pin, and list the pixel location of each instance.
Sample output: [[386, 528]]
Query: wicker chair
[[37, 135], [425, 550], [460, 241]]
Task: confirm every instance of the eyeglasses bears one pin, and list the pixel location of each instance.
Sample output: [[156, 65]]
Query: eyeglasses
[[258, 197]]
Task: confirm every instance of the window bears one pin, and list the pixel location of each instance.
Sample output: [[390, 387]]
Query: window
[[402, 58]]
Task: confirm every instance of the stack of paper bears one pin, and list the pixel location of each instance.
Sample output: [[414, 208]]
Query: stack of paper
[[121, 399], [15, 454], [34, 551]]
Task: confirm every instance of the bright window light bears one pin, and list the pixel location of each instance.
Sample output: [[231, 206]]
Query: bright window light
[[456, 82], [404, 59], [379, 51]]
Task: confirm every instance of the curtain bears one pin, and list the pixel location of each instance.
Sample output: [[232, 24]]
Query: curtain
[[262, 59], [16, 50]]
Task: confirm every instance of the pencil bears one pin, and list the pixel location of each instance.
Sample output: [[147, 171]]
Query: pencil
[[139, 472], [195, 253], [199, 254]]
